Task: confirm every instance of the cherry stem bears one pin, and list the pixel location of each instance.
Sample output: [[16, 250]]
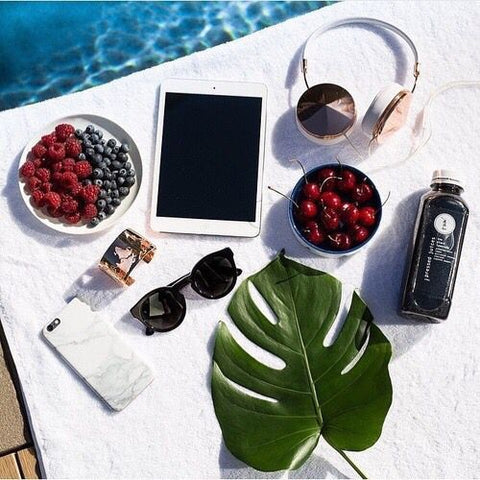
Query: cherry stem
[[339, 162], [327, 179], [382, 205], [302, 167], [354, 147], [333, 240], [283, 195]]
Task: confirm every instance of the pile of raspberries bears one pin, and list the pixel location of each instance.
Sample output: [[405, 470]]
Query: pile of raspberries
[[55, 174]]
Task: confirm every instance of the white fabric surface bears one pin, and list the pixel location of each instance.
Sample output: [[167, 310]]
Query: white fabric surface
[[171, 429]]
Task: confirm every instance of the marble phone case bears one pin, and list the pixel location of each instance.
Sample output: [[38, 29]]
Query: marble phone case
[[96, 352]]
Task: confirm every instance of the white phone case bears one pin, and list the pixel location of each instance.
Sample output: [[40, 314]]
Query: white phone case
[[96, 352]]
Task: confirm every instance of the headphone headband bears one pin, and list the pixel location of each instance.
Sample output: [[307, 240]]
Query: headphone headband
[[359, 21]]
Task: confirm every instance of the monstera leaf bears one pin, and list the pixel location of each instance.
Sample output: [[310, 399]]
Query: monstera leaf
[[332, 390]]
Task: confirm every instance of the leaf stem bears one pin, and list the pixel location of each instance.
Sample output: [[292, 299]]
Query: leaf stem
[[344, 455]]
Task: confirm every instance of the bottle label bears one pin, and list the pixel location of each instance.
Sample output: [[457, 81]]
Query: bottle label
[[439, 251]]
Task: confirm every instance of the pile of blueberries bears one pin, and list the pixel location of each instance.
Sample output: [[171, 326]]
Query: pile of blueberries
[[111, 170]]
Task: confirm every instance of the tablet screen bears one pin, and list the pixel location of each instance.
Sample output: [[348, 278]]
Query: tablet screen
[[209, 157]]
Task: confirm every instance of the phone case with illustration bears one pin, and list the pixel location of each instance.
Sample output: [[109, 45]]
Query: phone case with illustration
[[96, 352]]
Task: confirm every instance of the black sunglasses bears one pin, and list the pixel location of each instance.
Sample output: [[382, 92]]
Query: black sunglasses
[[164, 308]]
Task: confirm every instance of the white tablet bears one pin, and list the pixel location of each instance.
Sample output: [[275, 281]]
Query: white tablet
[[209, 157]]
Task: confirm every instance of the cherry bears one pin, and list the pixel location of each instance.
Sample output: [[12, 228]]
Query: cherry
[[347, 182], [331, 199], [330, 219], [362, 193], [340, 240], [367, 216], [359, 233], [327, 178], [350, 214], [311, 191], [313, 233], [308, 209]]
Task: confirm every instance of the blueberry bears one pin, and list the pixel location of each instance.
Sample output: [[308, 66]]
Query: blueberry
[[131, 173], [112, 156], [94, 138], [115, 193], [101, 203], [98, 157], [124, 148], [124, 191], [103, 193], [116, 202], [114, 185], [109, 209], [99, 148], [82, 156], [89, 152], [108, 200], [103, 142], [120, 181], [101, 163], [108, 151], [108, 175], [87, 182], [128, 166], [122, 157], [106, 161], [122, 172], [89, 129], [116, 149], [116, 165], [111, 143], [99, 133], [78, 133], [109, 191], [129, 181], [94, 221], [87, 144], [97, 173], [102, 215], [98, 182], [107, 184]]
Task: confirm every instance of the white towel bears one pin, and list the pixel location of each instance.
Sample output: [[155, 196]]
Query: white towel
[[170, 430]]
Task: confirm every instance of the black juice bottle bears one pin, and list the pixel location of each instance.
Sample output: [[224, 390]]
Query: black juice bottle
[[438, 239]]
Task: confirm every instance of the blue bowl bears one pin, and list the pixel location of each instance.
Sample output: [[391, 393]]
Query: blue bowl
[[325, 250]]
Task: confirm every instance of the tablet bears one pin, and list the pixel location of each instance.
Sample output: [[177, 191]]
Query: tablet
[[209, 157]]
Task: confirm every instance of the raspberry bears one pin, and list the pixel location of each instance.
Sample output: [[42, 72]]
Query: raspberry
[[49, 140], [90, 193], [63, 131], [43, 174], [39, 150], [89, 211], [56, 152], [68, 165], [37, 198], [69, 205], [56, 167], [76, 189], [33, 183], [57, 178], [54, 212], [83, 169], [69, 179], [73, 147], [38, 162], [73, 218], [27, 169], [52, 199], [46, 187]]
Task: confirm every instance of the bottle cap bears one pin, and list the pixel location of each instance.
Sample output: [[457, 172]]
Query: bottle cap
[[446, 176]]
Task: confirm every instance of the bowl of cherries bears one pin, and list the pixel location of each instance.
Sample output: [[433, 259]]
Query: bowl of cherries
[[335, 210]]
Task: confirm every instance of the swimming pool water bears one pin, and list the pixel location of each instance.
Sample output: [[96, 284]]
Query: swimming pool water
[[49, 49]]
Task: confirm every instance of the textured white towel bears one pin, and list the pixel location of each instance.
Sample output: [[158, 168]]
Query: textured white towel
[[171, 429]]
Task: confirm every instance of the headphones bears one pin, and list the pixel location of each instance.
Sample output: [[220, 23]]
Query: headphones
[[326, 112]]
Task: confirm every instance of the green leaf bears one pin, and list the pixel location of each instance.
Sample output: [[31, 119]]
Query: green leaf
[[315, 393]]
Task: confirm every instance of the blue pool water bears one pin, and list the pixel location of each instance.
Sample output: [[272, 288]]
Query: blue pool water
[[49, 49]]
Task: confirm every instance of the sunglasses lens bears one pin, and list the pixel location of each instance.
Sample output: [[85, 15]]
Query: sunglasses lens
[[164, 309], [214, 277], [326, 111]]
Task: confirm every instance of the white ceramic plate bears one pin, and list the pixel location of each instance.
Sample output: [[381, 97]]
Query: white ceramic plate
[[110, 130]]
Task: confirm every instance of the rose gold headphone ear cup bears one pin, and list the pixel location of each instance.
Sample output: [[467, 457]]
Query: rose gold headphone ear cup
[[325, 113], [387, 113]]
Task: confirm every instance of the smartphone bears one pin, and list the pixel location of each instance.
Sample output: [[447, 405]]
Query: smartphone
[[97, 353]]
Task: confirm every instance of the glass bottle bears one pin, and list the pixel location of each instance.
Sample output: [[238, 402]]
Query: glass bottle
[[438, 239]]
